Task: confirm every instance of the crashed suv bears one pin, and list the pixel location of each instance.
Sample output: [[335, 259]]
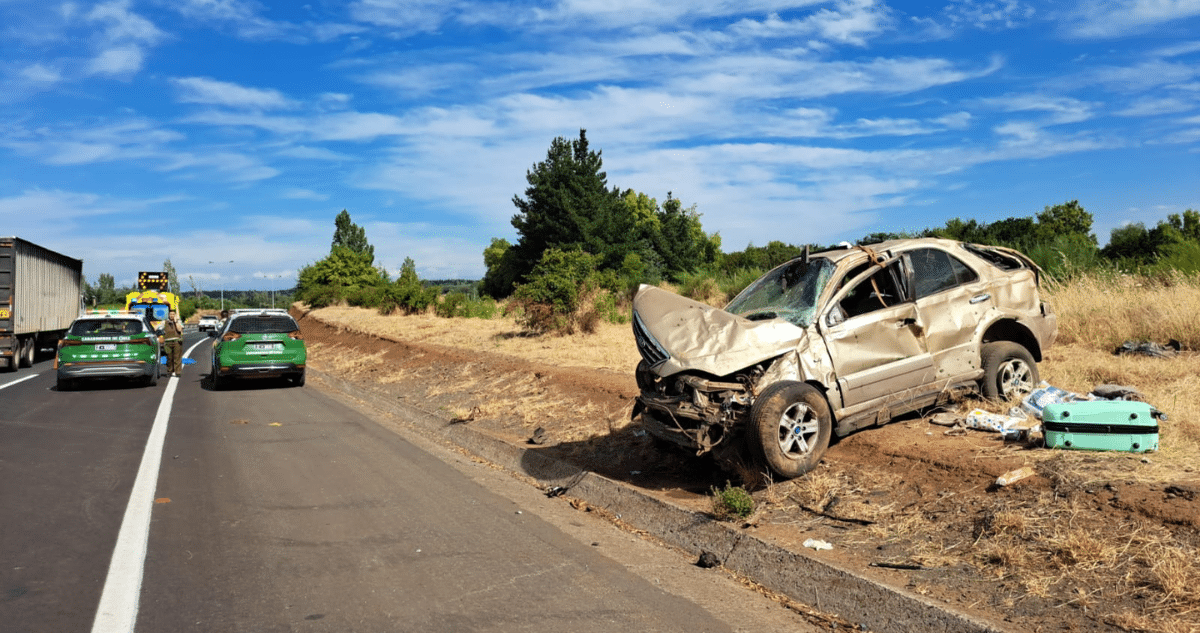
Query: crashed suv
[[836, 341]]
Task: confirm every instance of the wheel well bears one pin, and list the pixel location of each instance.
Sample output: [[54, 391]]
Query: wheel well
[[1010, 330]]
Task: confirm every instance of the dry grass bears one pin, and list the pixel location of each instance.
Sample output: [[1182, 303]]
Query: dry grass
[[1102, 312], [609, 347]]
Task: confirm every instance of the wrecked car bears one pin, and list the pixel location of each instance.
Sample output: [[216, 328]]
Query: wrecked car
[[835, 341]]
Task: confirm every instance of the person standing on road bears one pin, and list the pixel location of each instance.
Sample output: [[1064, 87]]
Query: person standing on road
[[173, 339]]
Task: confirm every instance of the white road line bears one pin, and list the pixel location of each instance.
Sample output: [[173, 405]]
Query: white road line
[[118, 608], [9, 384]]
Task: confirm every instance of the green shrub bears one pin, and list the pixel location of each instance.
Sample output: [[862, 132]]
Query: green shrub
[[452, 305], [321, 296], [734, 502], [550, 299], [366, 296]]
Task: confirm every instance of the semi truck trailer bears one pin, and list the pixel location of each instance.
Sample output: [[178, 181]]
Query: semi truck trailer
[[40, 295]]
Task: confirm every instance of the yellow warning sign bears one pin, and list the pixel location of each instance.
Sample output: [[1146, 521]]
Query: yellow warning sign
[[5, 314]]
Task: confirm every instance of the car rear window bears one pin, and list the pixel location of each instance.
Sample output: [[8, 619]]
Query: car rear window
[[263, 324], [106, 327]]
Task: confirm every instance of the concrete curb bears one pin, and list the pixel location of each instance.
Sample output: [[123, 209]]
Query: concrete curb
[[817, 583]]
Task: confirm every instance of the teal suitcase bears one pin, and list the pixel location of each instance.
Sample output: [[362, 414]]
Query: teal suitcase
[[1101, 425]]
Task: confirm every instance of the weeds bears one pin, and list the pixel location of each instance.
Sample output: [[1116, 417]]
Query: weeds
[[732, 502]]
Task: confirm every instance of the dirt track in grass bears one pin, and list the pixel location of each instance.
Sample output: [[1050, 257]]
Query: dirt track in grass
[[1091, 542]]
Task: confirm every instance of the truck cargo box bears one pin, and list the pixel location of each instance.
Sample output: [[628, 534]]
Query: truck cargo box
[[40, 295]]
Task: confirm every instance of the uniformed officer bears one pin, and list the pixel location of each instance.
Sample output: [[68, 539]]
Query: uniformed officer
[[173, 339]]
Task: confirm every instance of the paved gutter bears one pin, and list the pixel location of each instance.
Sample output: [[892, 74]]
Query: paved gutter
[[820, 584]]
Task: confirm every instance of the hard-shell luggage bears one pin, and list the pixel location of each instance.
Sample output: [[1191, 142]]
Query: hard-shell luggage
[[1101, 425]]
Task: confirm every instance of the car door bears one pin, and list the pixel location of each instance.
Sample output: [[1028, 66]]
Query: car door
[[875, 336], [952, 302]]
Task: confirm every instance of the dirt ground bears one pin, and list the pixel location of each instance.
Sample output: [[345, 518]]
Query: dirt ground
[[1090, 542]]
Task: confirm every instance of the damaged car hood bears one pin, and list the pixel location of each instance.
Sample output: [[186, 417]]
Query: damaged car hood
[[696, 336]]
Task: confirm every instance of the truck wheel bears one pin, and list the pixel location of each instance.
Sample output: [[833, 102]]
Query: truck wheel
[[10, 363], [1009, 371], [28, 348], [790, 428]]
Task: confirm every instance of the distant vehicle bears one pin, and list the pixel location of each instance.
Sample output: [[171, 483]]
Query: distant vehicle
[[837, 341], [40, 295], [153, 298], [108, 344], [208, 323], [262, 343]]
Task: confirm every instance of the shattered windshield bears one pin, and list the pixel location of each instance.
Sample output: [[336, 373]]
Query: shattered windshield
[[789, 292]]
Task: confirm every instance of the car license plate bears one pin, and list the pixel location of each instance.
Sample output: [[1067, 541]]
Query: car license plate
[[106, 347], [264, 347]]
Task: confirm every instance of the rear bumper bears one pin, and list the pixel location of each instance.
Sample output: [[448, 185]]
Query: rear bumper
[[261, 370], [108, 369]]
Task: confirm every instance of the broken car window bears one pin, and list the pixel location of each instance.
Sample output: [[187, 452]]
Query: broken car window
[[880, 290], [789, 292], [936, 270]]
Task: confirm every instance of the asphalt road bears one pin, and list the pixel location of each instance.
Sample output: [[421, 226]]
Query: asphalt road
[[275, 508]]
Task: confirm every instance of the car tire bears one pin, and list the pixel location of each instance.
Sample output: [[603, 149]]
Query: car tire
[[298, 381], [1009, 371], [65, 384], [152, 378], [790, 428]]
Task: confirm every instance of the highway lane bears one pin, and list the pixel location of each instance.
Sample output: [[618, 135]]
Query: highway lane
[[280, 509], [67, 464]]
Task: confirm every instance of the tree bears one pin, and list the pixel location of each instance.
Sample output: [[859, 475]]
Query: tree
[[351, 235], [1068, 218], [501, 276], [1188, 225], [106, 290], [681, 243], [172, 277], [568, 206]]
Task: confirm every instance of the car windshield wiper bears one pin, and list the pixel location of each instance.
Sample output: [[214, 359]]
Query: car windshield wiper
[[762, 315]]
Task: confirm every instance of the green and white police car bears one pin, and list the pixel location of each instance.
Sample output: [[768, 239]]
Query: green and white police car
[[108, 344], [262, 343]]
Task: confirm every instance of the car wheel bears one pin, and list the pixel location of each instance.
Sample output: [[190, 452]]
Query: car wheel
[[298, 380], [65, 384], [790, 428], [152, 378], [1009, 371]]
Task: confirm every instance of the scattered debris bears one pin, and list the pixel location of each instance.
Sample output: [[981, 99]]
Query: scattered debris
[[1014, 476], [905, 566], [817, 544], [555, 491], [1117, 392], [708, 560], [1149, 348], [538, 437]]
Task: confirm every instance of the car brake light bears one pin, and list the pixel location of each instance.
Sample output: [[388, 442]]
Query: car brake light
[[231, 336]]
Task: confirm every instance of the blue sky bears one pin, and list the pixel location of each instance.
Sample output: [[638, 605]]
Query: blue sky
[[234, 131]]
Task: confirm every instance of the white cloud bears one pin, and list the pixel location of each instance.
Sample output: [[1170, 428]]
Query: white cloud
[[211, 91], [303, 194], [1059, 110], [1158, 106], [122, 60], [1118, 18], [848, 22], [40, 73]]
